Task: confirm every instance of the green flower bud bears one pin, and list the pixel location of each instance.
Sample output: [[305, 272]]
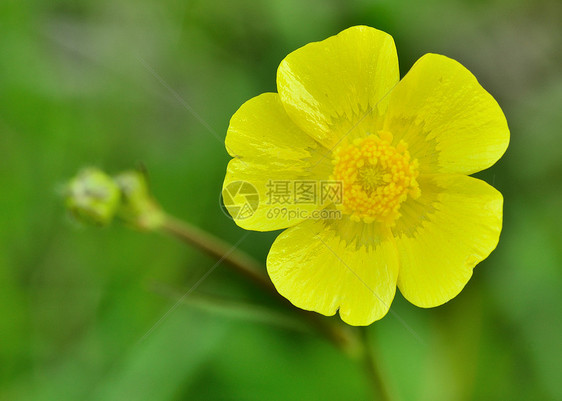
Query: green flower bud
[[92, 197], [137, 206]]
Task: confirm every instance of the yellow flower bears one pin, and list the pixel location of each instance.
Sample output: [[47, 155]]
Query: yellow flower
[[385, 160]]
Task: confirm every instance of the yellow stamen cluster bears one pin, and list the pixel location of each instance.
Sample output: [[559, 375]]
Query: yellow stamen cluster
[[376, 176]]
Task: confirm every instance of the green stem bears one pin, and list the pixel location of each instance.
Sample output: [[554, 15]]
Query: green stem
[[246, 266], [249, 268], [216, 247], [372, 368]]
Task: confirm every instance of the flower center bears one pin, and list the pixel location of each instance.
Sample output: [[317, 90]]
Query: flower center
[[376, 177]]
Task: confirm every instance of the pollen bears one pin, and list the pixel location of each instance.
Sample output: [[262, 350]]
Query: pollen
[[376, 177]]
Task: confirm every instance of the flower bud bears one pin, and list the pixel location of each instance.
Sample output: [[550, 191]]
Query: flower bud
[[137, 206], [92, 197]]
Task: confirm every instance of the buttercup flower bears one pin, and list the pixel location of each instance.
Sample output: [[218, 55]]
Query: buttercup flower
[[385, 160]]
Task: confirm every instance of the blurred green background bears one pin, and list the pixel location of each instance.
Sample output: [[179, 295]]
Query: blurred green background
[[95, 83]]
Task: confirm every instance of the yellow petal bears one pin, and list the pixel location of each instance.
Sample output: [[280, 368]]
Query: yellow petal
[[327, 87], [450, 123], [441, 236], [269, 150], [324, 266]]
